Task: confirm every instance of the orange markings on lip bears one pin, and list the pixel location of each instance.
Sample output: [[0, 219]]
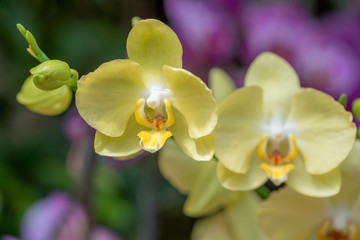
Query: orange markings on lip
[[330, 234], [158, 122], [276, 158]]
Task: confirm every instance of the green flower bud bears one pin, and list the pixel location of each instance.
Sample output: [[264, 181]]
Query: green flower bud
[[44, 102], [356, 108], [51, 74], [343, 99]]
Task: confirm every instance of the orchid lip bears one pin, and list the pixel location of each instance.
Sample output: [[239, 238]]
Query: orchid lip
[[329, 231], [158, 122], [276, 163]]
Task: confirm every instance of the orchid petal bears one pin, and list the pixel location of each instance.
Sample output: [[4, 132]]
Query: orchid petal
[[279, 82], [197, 179], [207, 195], [194, 100], [287, 214], [221, 84], [153, 140], [212, 228], [123, 146], [350, 170], [238, 130], [252, 179], [107, 97], [178, 168], [324, 185], [323, 129], [242, 216], [201, 149], [49, 103], [152, 44]]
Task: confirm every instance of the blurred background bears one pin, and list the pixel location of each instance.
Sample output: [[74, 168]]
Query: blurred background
[[44, 190]]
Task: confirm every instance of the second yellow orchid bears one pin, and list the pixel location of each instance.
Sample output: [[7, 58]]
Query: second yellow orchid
[[273, 129]]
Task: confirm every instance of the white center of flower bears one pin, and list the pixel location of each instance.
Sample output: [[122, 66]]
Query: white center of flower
[[156, 97], [339, 225], [341, 218], [154, 100]]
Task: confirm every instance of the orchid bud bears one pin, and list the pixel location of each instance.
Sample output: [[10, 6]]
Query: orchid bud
[[51, 74], [356, 108]]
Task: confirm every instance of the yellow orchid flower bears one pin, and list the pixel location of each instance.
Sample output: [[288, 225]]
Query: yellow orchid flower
[[274, 129], [138, 103], [232, 214], [290, 215], [49, 103]]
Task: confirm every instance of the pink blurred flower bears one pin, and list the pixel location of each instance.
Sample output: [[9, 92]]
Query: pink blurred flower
[[8, 237], [59, 217], [207, 33], [274, 27], [322, 60], [325, 63]]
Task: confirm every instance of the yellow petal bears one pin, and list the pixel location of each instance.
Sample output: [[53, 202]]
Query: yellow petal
[[50, 103], [279, 82], [177, 167], [194, 100], [221, 84], [350, 171], [252, 179], [124, 146], [201, 149], [215, 227], [237, 221], [324, 185], [323, 129], [289, 215], [198, 179], [152, 44], [242, 216], [153, 140], [206, 194], [106, 98], [238, 131]]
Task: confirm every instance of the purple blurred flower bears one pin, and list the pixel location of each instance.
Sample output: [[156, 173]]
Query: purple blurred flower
[[206, 31], [43, 217], [274, 27], [75, 128], [320, 58], [7, 237], [100, 233], [81, 136], [59, 217], [345, 26], [327, 64]]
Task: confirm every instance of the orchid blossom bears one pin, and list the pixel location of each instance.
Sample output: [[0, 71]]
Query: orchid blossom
[[273, 129], [138, 103]]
